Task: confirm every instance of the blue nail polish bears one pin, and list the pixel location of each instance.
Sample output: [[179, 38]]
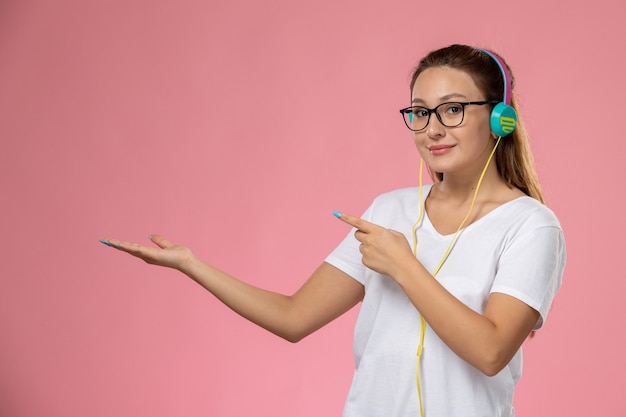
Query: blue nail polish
[[105, 242], [337, 214]]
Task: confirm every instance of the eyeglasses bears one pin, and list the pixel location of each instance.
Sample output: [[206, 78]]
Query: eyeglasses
[[417, 118]]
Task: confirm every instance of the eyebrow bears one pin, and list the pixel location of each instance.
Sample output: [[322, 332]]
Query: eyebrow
[[441, 99]]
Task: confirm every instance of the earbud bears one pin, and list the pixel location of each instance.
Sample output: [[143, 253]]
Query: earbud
[[503, 116]]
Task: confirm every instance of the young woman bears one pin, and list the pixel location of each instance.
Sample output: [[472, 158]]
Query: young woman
[[452, 276]]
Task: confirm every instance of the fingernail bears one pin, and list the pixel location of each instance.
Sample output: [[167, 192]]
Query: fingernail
[[105, 242], [337, 214]]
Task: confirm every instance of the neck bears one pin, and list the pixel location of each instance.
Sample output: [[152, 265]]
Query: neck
[[462, 186]]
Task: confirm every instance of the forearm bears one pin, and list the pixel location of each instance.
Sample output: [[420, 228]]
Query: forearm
[[327, 294], [480, 339], [267, 309]]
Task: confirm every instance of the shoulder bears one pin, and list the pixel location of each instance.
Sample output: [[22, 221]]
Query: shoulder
[[529, 224], [528, 211]]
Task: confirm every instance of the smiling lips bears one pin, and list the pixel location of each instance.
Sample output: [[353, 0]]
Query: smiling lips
[[440, 149]]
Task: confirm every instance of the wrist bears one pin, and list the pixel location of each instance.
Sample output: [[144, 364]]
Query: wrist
[[189, 265], [407, 272]]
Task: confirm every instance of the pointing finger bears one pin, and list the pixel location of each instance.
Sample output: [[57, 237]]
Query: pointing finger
[[362, 225]]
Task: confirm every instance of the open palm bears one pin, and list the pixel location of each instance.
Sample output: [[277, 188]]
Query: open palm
[[165, 254]]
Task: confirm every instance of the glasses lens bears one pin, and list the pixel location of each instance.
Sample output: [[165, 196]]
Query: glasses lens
[[450, 114], [416, 118]]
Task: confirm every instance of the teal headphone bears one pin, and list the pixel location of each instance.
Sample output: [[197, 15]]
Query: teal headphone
[[503, 116]]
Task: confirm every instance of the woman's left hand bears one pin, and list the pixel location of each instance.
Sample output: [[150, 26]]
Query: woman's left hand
[[383, 250]]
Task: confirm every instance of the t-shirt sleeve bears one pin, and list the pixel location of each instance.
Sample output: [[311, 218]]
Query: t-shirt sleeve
[[531, 268]]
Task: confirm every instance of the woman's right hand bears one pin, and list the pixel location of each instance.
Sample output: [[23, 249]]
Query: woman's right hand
[[165, 254]]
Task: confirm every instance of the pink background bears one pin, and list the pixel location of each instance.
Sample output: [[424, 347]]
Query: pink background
[[237, 128]]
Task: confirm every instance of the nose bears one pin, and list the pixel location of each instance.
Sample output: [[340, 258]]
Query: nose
[[435, 128]]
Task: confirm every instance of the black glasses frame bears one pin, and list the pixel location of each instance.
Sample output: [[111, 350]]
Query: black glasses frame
[[409, 110]]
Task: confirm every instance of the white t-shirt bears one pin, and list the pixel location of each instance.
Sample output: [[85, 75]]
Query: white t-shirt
[[517, 249]]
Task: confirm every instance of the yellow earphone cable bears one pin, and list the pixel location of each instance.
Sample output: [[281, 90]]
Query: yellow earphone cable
[[420, 347]]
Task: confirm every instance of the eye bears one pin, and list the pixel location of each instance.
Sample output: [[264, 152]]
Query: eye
[[453, 109], [419, 112]]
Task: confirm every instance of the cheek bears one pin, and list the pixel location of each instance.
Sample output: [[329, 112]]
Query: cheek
[[419, 140], [487, 133], [485, 125], [479, 132]]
